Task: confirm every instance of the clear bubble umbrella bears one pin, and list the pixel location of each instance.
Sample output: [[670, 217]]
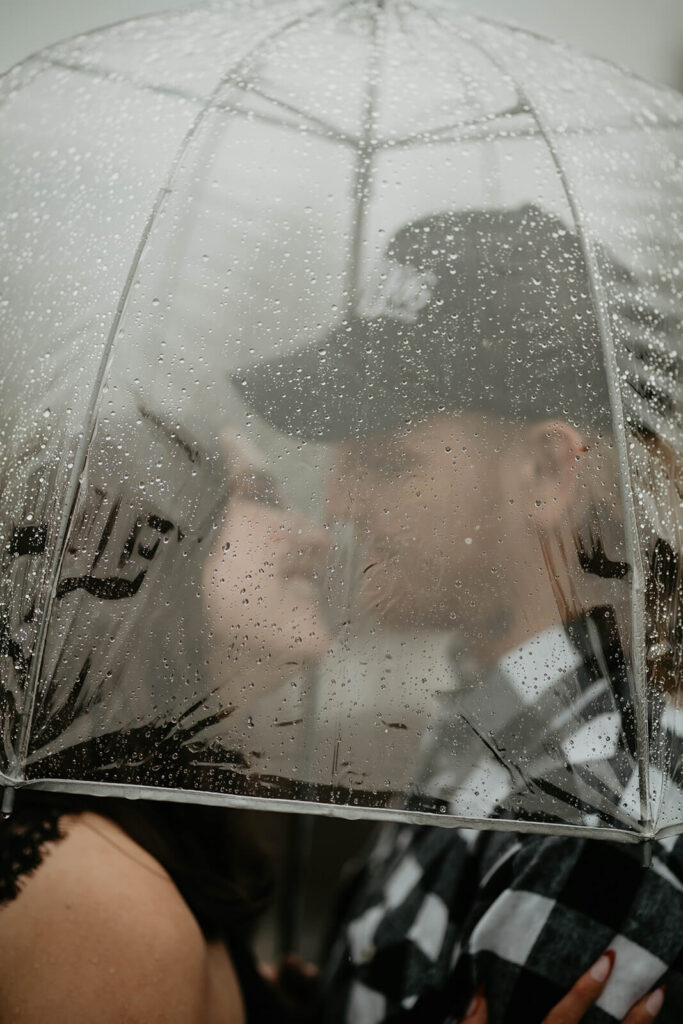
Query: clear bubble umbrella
[[341, 420]]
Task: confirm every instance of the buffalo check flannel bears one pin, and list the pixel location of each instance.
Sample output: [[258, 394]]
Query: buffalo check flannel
[[436, 911]]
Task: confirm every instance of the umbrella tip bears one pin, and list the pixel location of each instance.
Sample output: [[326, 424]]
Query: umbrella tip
[[646, 853], [7, 806]]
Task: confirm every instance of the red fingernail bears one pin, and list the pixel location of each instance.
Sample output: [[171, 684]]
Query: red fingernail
[[474, 1003], [602, 968], [656, 1001], [471, 1009]]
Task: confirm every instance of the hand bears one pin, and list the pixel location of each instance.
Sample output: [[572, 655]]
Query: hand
[[580, 998], [296, 982]]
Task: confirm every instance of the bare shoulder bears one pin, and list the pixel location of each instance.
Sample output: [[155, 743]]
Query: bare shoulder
[[101, 925]]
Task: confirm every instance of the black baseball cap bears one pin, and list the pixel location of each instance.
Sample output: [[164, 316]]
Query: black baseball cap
[[487, 310]]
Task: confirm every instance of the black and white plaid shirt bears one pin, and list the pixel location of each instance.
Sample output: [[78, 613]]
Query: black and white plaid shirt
[[437, 911]]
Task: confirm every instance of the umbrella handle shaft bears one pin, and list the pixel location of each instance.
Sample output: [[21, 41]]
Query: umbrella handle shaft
[[297, 858]]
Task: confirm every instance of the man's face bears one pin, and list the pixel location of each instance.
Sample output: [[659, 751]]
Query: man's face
[[430, 510]]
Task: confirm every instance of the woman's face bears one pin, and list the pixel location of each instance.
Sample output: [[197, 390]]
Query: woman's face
[[264, 613]]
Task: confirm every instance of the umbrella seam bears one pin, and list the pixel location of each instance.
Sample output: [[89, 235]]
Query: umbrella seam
[[630, 529], [347, 811], [90, 422]]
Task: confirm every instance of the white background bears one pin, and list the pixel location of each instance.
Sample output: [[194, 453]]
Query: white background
[[644, 35]]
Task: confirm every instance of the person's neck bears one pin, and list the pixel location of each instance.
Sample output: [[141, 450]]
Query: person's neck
[[543, 596]]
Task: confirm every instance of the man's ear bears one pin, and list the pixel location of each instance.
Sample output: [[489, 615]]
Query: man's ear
[[550, 467]]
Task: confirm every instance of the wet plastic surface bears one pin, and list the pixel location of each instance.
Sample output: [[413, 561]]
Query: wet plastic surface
[[341, 419]]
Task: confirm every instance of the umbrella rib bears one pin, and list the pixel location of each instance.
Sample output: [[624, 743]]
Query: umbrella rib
[[319, 127], [41, 56], [73, 491], [105, 75], [463, 131], [327, 130], [361, 178], [337, 809], [630, 528], [474, 132], [331, 135]]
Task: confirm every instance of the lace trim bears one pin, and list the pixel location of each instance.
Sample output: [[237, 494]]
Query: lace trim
[[22, 839]]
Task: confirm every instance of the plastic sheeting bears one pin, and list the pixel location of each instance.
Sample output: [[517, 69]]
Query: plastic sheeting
[[341, 420]]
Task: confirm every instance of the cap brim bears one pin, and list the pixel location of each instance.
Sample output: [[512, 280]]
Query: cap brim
[[350, 384]]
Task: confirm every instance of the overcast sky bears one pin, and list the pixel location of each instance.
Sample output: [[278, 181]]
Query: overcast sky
[[645, 35]]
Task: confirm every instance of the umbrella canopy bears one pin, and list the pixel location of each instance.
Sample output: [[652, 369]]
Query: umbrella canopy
[[341, 420]]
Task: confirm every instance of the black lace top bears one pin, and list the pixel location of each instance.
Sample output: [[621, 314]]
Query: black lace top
[[21, 841]]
